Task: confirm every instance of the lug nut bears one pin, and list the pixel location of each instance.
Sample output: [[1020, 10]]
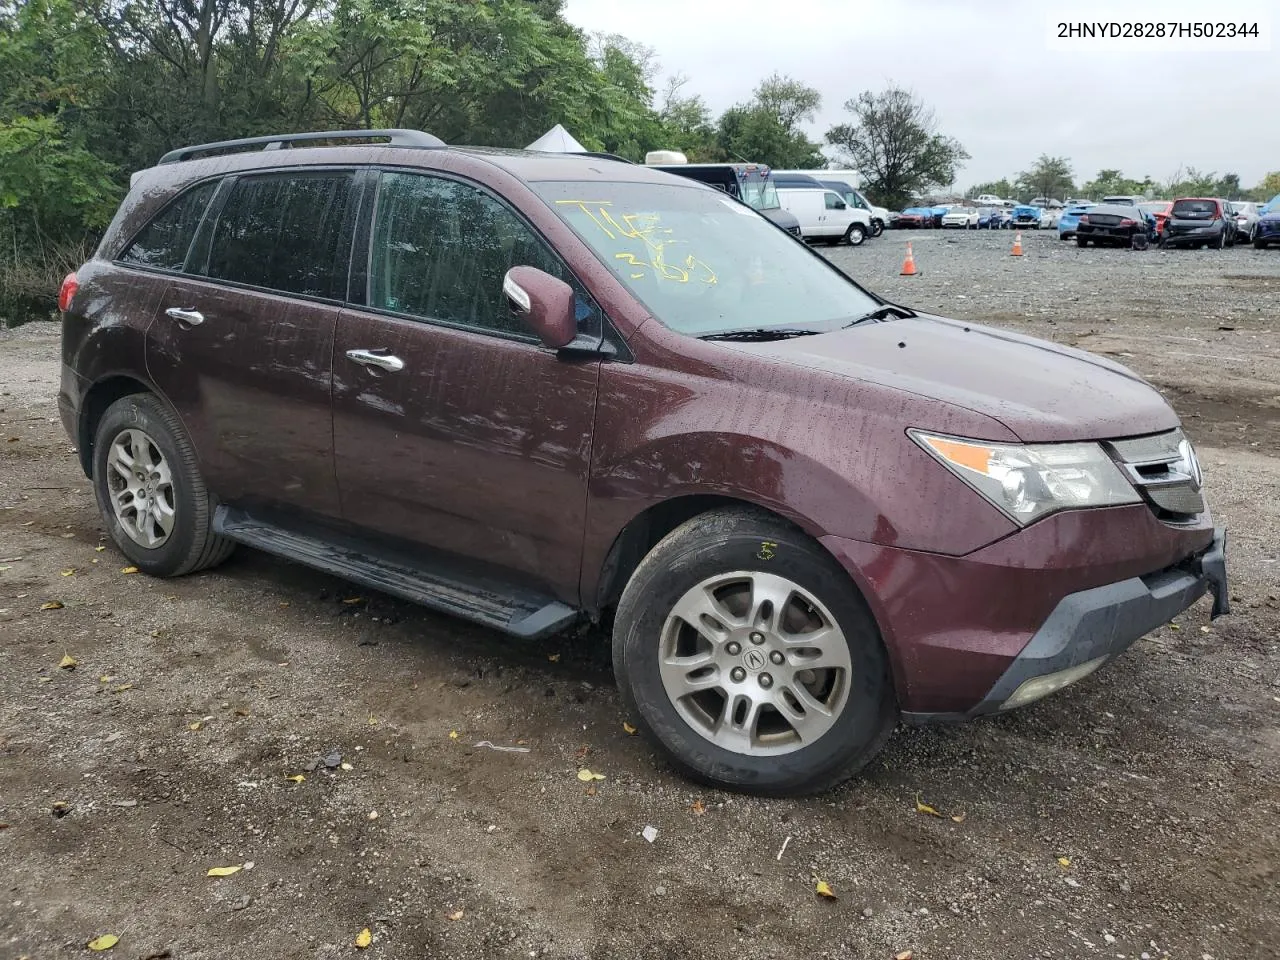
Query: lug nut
[[766, 681], [777, 657], [757, 638], [733, 648], [738, 674]]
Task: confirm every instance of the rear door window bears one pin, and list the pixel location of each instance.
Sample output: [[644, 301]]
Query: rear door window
[[163, 243], [287, 232]]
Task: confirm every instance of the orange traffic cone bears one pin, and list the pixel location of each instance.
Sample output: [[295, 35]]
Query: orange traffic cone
[[1017, 244], [909, 264]]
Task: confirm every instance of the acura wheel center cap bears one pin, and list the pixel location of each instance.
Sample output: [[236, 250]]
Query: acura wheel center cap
[[754, 659]]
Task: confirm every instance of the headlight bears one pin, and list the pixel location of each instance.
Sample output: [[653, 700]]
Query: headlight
[[1027, 481]]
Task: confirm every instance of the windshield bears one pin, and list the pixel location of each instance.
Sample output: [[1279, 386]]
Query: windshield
[[758, 192], [702, 263]]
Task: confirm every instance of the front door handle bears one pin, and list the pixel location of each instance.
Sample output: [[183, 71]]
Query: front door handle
[[188, 315], [376, 358]]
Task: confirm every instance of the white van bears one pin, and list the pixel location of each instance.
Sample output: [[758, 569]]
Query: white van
[[845, 183], [824, 215]]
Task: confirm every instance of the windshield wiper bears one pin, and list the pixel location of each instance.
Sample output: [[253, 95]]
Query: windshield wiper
[[761, 334], [884, 312]]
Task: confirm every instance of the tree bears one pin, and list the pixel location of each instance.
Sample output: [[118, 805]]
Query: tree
[[1192, 183], [1268, 188], [1111, 182], [1228, 187], [1048, 177], [997, 188], [894, 143], [686, 123], [766, 129]]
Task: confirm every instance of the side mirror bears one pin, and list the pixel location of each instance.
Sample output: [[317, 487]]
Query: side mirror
[[544, 303]]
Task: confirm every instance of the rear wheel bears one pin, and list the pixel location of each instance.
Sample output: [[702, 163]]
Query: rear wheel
[[1222, 240], [1081, 241], [150, 492], [855, 234], [744, 651], [1259, 243], [877, 227]]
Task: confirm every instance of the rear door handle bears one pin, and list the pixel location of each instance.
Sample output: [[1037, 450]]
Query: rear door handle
[[190, 316], [377, 358]]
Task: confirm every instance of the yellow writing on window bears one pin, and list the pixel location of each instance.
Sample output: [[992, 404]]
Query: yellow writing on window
[[659, 259]]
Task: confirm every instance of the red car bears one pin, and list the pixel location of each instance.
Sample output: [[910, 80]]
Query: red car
[[534, 390], [1160, 210]]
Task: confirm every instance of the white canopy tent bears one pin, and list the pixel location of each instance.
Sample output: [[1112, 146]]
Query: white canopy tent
[[557, 140]]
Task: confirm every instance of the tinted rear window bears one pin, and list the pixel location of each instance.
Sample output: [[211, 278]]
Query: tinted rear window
[[163, 243], [1195, 209], [287, 232]]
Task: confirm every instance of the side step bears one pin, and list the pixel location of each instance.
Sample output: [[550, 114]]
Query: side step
[[442, 586]]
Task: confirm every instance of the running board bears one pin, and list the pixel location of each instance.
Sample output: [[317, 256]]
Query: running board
[[441, 586]]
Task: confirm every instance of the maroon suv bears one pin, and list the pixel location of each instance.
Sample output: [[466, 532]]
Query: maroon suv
[[534, 389]]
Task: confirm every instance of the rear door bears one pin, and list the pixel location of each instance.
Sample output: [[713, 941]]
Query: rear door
[[453, 426], [242, 343]]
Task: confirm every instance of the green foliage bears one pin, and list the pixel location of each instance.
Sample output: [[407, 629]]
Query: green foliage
[[1048, 177], [1113, 182], [997, 188], [766, 129], [893, 142]]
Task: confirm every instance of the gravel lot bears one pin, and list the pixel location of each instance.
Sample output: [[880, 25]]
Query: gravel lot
[[1134, 815]]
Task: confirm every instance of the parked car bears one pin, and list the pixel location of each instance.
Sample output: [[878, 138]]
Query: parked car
[[1070, 217], [1049, 217], [1199, 221], [1124, 199], [470, 379], [1267, 230], [988, 199], [1159, 211], [989, 218], [1004, 219], [1246, 216], [1271, 205], [1047, 203], [915, 217], [963, 217], [846, 183], [1026, 217], [1112, 224], [824, 216]]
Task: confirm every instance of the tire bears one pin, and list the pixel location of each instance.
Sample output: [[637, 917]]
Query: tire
[[1259, 243], [744, 548], [877, 227], [1081, 241], [1221, 241], [855, 234], [142, 429], [1064, 236]]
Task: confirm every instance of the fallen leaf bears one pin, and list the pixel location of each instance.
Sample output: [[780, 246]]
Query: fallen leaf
[[903, 955], [51, 605], [373, 721], [453, 734], [1174, 626], [364, 938], [823, 889], [698, 808], [351, 600], [99, 549], [128, 570], [586, 776], [347, 766], [122, 688], [1064, 862], [67, 662], [553, 657], [925, 808], [284, 603], [224, 871], [959, 817], [373, 814], [296, 778], [631, 731], [104, 942], [457, 915], [194, 726], [106, 678], [241, 712], [70, 571]]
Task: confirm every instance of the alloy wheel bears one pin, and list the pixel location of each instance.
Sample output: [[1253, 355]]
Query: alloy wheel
[[755, 663], [141, 487]]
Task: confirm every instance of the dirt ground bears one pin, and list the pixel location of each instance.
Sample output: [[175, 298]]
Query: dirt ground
[[1133, 816]]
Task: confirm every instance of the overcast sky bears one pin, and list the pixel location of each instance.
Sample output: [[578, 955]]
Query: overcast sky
[[990, 72]]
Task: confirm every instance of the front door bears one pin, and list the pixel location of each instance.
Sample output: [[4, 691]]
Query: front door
[[242, 342], [453, 426]]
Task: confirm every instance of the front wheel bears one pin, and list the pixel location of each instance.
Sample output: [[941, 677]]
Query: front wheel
[[855, 234], [877, 227], [1259, 243], [150, 492], [746, 653], [1081, 242]]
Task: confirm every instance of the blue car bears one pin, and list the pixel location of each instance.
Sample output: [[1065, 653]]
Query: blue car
[[1027, 217], [1070, 217], [989, 218], [1268, 229], [1271, 206]]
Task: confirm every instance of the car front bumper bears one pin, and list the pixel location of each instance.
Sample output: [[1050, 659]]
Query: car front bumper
[[966, 634]]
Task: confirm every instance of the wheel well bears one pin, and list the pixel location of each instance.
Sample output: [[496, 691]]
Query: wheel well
[[96, 401], [642, 534]]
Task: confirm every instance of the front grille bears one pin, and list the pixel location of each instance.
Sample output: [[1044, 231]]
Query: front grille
[[1163, 468]]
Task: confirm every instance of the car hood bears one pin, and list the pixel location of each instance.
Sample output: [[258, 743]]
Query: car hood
[[1041, 391]]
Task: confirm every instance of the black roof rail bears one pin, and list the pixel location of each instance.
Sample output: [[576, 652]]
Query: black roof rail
[[395, 138]]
